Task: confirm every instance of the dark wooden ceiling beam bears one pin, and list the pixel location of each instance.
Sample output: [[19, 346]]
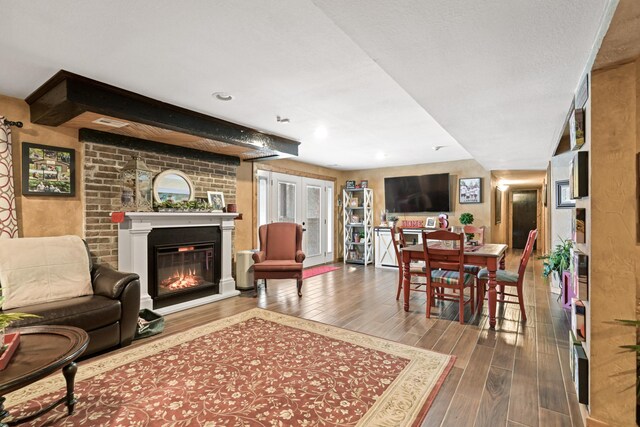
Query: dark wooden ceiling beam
[[67, 95]]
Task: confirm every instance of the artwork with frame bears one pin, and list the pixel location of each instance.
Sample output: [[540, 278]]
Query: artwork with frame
[[351, 184], [216, 200], [364, 183], [577, 128], [48, 170], [431, 222], [470, 190], [498, 207], [563, 195]]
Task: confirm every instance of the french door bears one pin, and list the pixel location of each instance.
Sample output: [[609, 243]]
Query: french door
[[306, 201]]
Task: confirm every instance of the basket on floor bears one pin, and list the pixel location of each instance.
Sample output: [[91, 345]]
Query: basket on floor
[[149, 323]]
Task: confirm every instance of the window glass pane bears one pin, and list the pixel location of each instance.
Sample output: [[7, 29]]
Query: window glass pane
[[286, 202], [313, 226], [329, 219], [263, 204]]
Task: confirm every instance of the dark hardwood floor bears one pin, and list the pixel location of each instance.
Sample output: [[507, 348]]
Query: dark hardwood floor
[[515, 375]]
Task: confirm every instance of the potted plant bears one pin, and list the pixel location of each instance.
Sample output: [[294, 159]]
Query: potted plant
[[467, 219], [557, 262], [6, 319]]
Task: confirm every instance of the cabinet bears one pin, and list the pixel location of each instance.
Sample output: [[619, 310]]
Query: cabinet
[[358, 225], [385, 254]]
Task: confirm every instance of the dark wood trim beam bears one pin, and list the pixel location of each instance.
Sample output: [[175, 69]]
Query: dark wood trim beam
[[66, 95], [137, 144]]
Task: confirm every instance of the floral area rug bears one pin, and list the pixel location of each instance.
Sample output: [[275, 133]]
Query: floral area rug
[[257, 368]]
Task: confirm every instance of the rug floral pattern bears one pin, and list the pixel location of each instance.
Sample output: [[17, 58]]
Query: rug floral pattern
[[257, 371]]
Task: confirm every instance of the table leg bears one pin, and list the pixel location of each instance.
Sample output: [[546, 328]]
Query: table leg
[[492, 267], [406, 267], [69, 373]]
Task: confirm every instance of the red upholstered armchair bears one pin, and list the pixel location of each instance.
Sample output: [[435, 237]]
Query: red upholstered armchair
[[280, 255]]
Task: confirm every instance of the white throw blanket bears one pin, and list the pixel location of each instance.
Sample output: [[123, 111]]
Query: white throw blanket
[[36, 270]]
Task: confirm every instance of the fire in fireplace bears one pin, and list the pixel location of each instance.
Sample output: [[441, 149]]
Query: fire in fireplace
[[184, 264], [184, 267]]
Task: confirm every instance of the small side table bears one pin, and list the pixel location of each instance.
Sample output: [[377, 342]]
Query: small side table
[[43, 350]]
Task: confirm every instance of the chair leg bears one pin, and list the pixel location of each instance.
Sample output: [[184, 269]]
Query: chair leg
[[473, 299], [265, 284], [429, 299], [399, 283], [461, 305], [521, 302], [299, 285], [255, 288]]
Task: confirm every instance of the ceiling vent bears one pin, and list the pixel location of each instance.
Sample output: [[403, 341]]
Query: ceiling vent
[[110, 122]]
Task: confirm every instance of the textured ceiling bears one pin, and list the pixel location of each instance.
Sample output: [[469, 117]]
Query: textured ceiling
[[386, 80]]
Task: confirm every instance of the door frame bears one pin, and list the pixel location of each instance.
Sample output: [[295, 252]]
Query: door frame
[[538, 190]]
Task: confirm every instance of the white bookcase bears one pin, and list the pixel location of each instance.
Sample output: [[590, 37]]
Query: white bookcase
[[358, 225]]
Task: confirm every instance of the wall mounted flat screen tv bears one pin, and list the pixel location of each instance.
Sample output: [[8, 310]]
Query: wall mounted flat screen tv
[[426, 193]]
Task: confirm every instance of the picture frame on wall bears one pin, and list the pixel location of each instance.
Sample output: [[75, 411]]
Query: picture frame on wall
[[431, 222], [470, 190], [563, 195], [498, 207], [48, 170], [216, 200], [351, 184], [577, 128]]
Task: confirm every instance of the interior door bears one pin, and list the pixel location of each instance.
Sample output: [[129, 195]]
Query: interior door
[[525, 216]]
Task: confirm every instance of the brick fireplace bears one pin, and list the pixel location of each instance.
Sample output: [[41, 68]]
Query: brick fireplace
[[102, 164], [120, 246]]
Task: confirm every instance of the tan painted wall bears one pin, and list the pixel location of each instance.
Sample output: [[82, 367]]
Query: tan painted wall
[[458, 169], [43, 216], [615, 99]]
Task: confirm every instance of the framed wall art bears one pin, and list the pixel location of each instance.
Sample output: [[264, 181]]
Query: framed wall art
[[498, 207], [563, 195], [470, 190], [216, 200], [48, 170]]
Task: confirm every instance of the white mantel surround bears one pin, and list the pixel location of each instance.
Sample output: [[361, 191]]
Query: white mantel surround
[[133, 252]]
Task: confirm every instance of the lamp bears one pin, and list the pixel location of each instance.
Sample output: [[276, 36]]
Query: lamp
[[136, 180]]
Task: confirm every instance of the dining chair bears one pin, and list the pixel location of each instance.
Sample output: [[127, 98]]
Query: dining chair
[[506, 278], [399, 242], [444, 263]]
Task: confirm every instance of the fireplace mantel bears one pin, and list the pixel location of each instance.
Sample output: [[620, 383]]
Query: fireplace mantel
[[133, 251]]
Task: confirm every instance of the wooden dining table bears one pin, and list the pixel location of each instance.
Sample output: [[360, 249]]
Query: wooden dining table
[[489, 255]]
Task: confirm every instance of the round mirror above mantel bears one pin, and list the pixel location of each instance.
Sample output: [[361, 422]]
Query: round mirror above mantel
[[172, 185]]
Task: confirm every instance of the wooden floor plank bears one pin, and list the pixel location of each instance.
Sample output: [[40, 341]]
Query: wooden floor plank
[[553, 419], [551, 385], [524, 406], [443, 399], [494, 404]]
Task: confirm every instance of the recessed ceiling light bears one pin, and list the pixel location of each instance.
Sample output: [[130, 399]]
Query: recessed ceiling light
[[222, 96], [321, 132], [280, 119]]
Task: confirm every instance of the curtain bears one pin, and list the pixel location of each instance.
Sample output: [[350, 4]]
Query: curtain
[[8, 217]]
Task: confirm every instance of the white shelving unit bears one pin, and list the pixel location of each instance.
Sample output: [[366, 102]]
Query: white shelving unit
[[358, 221]]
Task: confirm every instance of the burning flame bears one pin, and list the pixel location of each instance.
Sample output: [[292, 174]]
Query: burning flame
[[182, 281]]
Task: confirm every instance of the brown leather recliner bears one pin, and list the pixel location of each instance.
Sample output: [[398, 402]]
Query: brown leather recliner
[[109, 316], [280, 255]]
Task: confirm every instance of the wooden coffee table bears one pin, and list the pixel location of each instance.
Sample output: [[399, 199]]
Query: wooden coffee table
[[42, 351]]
